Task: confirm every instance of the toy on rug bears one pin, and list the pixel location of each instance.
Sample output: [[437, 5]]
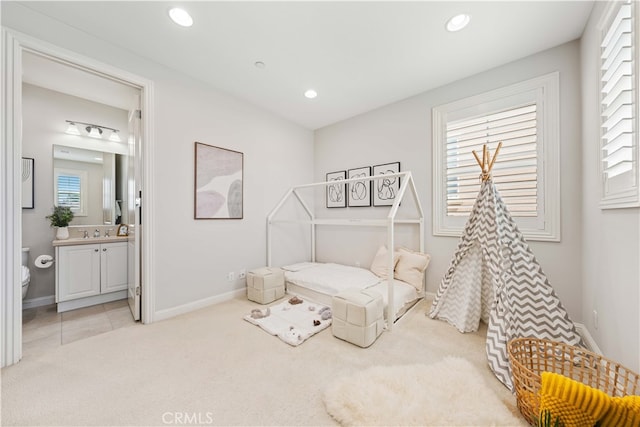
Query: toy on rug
[[256, 313], [293, 334], [295, 300], [325, 313], [316, 322]]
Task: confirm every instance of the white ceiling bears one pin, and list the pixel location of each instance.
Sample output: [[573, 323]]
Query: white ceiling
[[357, 55]]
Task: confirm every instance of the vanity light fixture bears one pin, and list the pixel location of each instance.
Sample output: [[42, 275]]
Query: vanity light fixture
[[92, 130], [180, 17], [72, 129], [114, 136], [458, 22], [311, 94]]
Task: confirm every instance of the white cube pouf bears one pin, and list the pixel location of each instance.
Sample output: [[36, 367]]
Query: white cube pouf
[[265, 285], [357, 316]]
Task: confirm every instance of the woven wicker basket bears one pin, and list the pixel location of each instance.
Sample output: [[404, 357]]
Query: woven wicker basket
[[529, 357]]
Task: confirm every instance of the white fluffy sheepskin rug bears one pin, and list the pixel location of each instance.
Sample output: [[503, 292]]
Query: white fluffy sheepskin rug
[[449, 393]]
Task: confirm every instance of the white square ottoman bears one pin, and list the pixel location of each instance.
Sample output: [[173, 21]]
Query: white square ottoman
[[265, 285], [357, 316]]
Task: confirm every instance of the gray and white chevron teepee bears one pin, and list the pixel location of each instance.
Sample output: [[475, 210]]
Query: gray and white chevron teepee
[[495, 277]]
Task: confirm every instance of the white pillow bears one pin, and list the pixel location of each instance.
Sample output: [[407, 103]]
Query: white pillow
[[411, 266], [380, 262]]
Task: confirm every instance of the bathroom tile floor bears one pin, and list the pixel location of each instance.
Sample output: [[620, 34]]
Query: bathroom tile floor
[[43, 328]]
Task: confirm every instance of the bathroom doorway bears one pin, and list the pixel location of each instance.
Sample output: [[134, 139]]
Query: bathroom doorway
[[58, 73]]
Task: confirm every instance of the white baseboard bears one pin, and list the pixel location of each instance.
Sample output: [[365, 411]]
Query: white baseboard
[[588, 339], [38, 302], [89, 301], [196, 305]]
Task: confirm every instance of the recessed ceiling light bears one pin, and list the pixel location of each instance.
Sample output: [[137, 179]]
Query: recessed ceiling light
[[458, 22], [181, 17], [311, 94], [259, 64]]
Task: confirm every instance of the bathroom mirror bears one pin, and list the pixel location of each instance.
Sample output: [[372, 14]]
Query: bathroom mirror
[[92, 182]]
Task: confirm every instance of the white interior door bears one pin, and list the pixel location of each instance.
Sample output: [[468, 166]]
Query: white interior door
[[134, 190]]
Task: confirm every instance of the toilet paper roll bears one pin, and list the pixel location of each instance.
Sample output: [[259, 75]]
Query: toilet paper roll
[[44, 261]]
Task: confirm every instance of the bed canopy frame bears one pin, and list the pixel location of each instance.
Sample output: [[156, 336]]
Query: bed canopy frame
[[391, 220]]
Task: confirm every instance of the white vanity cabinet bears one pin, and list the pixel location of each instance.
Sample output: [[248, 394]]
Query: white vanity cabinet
[[88, 274]]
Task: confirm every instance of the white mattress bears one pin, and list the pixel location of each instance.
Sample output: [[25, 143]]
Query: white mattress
[[330, 279]]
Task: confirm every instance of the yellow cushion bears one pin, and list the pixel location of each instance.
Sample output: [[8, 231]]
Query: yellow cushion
[[575, 403], [624, 412]]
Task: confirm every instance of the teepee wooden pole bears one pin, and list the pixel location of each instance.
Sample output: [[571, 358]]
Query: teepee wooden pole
[[484, 157], [487, 161], [493, 160], [477, 158]]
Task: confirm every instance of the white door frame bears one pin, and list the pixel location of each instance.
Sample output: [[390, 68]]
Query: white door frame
[[13, 45]]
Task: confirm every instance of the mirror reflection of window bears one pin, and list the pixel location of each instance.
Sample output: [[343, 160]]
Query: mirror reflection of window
[[70, 190]]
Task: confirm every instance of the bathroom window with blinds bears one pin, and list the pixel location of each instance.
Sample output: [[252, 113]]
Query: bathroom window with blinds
[[524, 117], [69, 190], [618, 107]]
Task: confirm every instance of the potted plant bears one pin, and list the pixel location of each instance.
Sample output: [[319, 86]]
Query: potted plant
[[61, 217]]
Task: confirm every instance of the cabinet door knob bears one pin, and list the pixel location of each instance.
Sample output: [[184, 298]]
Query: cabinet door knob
[[95, 250], [104, 249]]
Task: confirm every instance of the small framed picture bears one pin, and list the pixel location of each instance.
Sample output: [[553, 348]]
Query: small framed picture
[[360, 191], [336, 193], [385, 190], [123, 230]]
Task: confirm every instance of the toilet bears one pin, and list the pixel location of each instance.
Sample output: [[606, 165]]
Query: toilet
[[26, 274]]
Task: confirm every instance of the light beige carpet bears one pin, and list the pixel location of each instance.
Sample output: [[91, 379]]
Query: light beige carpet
[[212, 366], [447, 393]]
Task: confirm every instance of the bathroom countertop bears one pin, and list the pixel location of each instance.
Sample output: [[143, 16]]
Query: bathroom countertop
[[90, 240]]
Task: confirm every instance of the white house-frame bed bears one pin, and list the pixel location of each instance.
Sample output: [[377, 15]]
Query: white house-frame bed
[[388, 223]]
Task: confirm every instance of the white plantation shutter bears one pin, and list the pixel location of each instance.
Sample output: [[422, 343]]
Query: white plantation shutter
[[515, 172], [69, 187], [69, 191], [525, 118], [618, 107]]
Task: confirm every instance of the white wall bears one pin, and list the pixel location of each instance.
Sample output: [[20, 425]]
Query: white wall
[[191, 258], [611, 242], [402, 132], [43, 125]]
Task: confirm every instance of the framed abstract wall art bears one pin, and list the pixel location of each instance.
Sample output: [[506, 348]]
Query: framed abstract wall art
[[27, 183], [218, 183], [359, 191], [336, 193], [385, 190]]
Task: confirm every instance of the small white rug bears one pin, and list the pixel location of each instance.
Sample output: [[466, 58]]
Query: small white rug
[[449, 393], [292, 323]]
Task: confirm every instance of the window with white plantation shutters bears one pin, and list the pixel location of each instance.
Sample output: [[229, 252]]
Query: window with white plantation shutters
[[524, 117], [618, 150], [69, 189], [516, 172]]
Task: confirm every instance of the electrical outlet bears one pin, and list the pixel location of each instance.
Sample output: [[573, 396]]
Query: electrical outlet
[[242, 274], [357, 263], [595, 319], [231, 276]]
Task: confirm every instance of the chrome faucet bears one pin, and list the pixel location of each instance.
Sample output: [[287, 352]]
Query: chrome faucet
[[96, 233], [85, 235], [106, 233]]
